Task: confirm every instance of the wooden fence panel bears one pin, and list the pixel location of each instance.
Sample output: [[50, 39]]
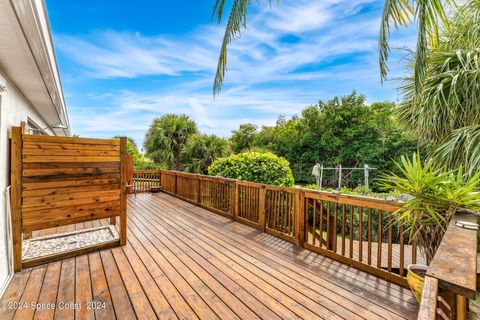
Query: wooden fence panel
[[144, 180], [250, 205], [359, 231], [216, 193], [280, 213], [58, 181]]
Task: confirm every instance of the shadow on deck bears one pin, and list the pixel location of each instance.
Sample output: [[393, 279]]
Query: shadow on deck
[[184, 262]]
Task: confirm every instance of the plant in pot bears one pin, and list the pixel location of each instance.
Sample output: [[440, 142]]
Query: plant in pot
[[435, 195]]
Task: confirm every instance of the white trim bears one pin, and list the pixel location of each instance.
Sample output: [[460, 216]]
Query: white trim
[[5, 285], [8, 240]]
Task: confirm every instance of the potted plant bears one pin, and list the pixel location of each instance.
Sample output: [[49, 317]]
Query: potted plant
[[434, 196]]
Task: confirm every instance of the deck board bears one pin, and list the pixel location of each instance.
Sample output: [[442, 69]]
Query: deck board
[[184, 262]]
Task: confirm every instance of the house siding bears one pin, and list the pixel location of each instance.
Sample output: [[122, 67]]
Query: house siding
[[14, 108]]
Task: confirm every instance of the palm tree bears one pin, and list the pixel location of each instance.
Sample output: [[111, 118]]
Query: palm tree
[[201, 150], [427, 14], [166, 138], [445, 113]]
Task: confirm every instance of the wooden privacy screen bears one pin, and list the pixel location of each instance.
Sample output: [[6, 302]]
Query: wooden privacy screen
[[58, 181]]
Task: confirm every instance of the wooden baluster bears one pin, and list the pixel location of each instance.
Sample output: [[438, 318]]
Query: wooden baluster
[[352, 212], [334, 228], [343, 229], [276, 209], [369, 235], [379, 239], [414, 252], [291, 212], [321, 222], [282, 211], [389, 257], [360, 234], [402, 251], [329, 226], [314, 233]]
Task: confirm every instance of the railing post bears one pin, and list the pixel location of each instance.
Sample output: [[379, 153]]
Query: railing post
[[123, 191], [16, 196], [199, 189], [331, 232], [261, 208], [175, 186], [129, 165], [234, 200], [461, 304], [299, 214]]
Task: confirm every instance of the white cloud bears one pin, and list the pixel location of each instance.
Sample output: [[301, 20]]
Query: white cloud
[[332, 52]]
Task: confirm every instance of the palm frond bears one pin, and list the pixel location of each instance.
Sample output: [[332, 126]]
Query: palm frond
[[461, 148], [399, 12], [449, 97], [236, 21]]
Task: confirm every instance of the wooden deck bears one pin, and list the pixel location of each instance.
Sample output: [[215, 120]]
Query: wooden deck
[[184, 262]]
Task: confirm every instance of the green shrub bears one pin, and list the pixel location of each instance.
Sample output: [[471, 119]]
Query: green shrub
[[256, 167], [142, 164]]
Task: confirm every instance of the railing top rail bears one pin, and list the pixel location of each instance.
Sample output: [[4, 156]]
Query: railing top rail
[[455, 263], [380, 204], [145, 171]]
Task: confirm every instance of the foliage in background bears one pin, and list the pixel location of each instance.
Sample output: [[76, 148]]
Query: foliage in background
[[140, 162], [445, 113], [243, 138], [435, 196], [166, 138], [201, 150], [340, 131], [255, 167]]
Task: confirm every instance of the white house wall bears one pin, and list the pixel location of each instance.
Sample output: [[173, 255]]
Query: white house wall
[[14, 108]]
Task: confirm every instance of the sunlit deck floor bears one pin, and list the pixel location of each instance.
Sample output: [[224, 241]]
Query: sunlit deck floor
[[185, 262]]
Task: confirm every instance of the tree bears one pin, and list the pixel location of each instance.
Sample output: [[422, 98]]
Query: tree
[[166, 138], [243, 138], [445, 113], [343, 130], [131, 145], [202, 150]]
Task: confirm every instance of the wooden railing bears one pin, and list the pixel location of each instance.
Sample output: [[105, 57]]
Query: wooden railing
[[143, 180], [452, 275], [355, 230]]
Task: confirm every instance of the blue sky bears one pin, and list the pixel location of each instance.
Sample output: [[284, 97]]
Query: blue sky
[[124, 63]]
